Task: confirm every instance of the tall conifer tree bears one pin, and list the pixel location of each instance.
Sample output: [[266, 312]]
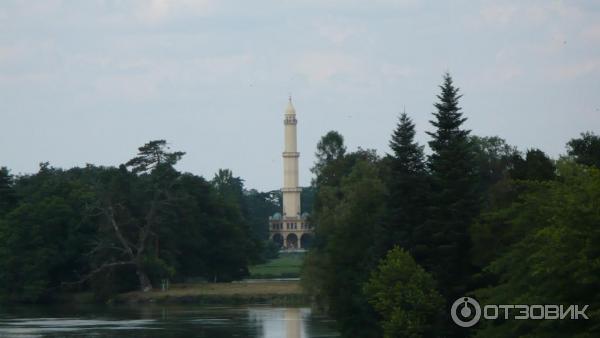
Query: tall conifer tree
[[407, 185], [444, 238]]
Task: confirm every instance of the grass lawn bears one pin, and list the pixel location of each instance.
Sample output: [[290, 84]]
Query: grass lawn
[[285, 266]]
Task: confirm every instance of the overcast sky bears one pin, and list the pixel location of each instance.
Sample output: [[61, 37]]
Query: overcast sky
[[90, 81]]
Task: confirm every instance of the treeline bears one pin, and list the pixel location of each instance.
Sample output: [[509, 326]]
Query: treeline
[[110, 229], [400, 237]]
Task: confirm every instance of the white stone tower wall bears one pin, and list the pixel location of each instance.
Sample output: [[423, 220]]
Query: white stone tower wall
[[291, 189]]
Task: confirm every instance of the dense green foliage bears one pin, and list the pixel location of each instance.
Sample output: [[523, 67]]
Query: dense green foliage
[[343, 241], [546, 249], [494, 160], [536, 166], [479, 218], [443, 241], [405, 296], [585, 150], [8, 197], [408, 187], [114, 229]]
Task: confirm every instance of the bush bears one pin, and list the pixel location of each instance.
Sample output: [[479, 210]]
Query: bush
[[405, 296]]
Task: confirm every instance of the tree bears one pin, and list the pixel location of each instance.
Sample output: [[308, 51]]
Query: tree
[[153, 154], [307, 198], [110, 230], [443, 240], [536, 166], [231, 256], [184, 230], [132, 209], [8, 196], [408, 186], [259, 206], [348, 219], [586, 149], [329, 150], [546, 253], [407, 153], [45, 237], [494, 159], [405, 296]]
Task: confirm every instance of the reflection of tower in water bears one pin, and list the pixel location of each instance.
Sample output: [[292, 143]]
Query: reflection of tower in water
[[292, 323], [280, 322]]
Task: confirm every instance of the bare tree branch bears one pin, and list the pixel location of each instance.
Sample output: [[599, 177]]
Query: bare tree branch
[[111, 217], [96, 271]]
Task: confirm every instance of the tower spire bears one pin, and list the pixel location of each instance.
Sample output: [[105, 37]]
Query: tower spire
[[290, 110]]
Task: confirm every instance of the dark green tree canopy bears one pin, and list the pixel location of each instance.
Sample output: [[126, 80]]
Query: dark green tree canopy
[[443, 240], [8, 195], [541, 248], [405, 296], [152, 155], [586, 149], [348, 218], [330, 148], [479, 217], [495, 160], [536, 166], [448, 118], [227, 184], [409, 189], [96, 228], [407, 154]]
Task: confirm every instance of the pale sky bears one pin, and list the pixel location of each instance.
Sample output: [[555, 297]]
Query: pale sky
[[90, 81]]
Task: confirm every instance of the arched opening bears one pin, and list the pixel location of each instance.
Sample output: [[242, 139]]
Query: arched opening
[[278, 239], [292, 241], [305, 241]]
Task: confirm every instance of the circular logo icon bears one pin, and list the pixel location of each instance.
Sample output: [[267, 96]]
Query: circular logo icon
[[465, 312]]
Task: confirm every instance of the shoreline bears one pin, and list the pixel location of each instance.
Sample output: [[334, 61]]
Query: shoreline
[[273, 292]]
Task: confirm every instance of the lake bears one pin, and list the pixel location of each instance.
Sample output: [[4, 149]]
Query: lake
[[164, 321]]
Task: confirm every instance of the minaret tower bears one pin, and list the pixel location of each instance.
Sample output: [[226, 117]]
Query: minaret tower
[[291, 190], [291, 230]]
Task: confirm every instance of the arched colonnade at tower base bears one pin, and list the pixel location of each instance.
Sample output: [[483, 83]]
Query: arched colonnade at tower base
[[292, 240]]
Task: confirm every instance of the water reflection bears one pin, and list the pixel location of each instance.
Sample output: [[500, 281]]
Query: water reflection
[[164, 321], [281, 322]]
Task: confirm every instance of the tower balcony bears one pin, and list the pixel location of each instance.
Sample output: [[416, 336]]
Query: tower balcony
[[290, 119]]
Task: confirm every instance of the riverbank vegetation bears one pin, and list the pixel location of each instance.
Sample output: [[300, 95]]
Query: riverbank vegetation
[[401, 236], [112, 230], [287, 293]]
